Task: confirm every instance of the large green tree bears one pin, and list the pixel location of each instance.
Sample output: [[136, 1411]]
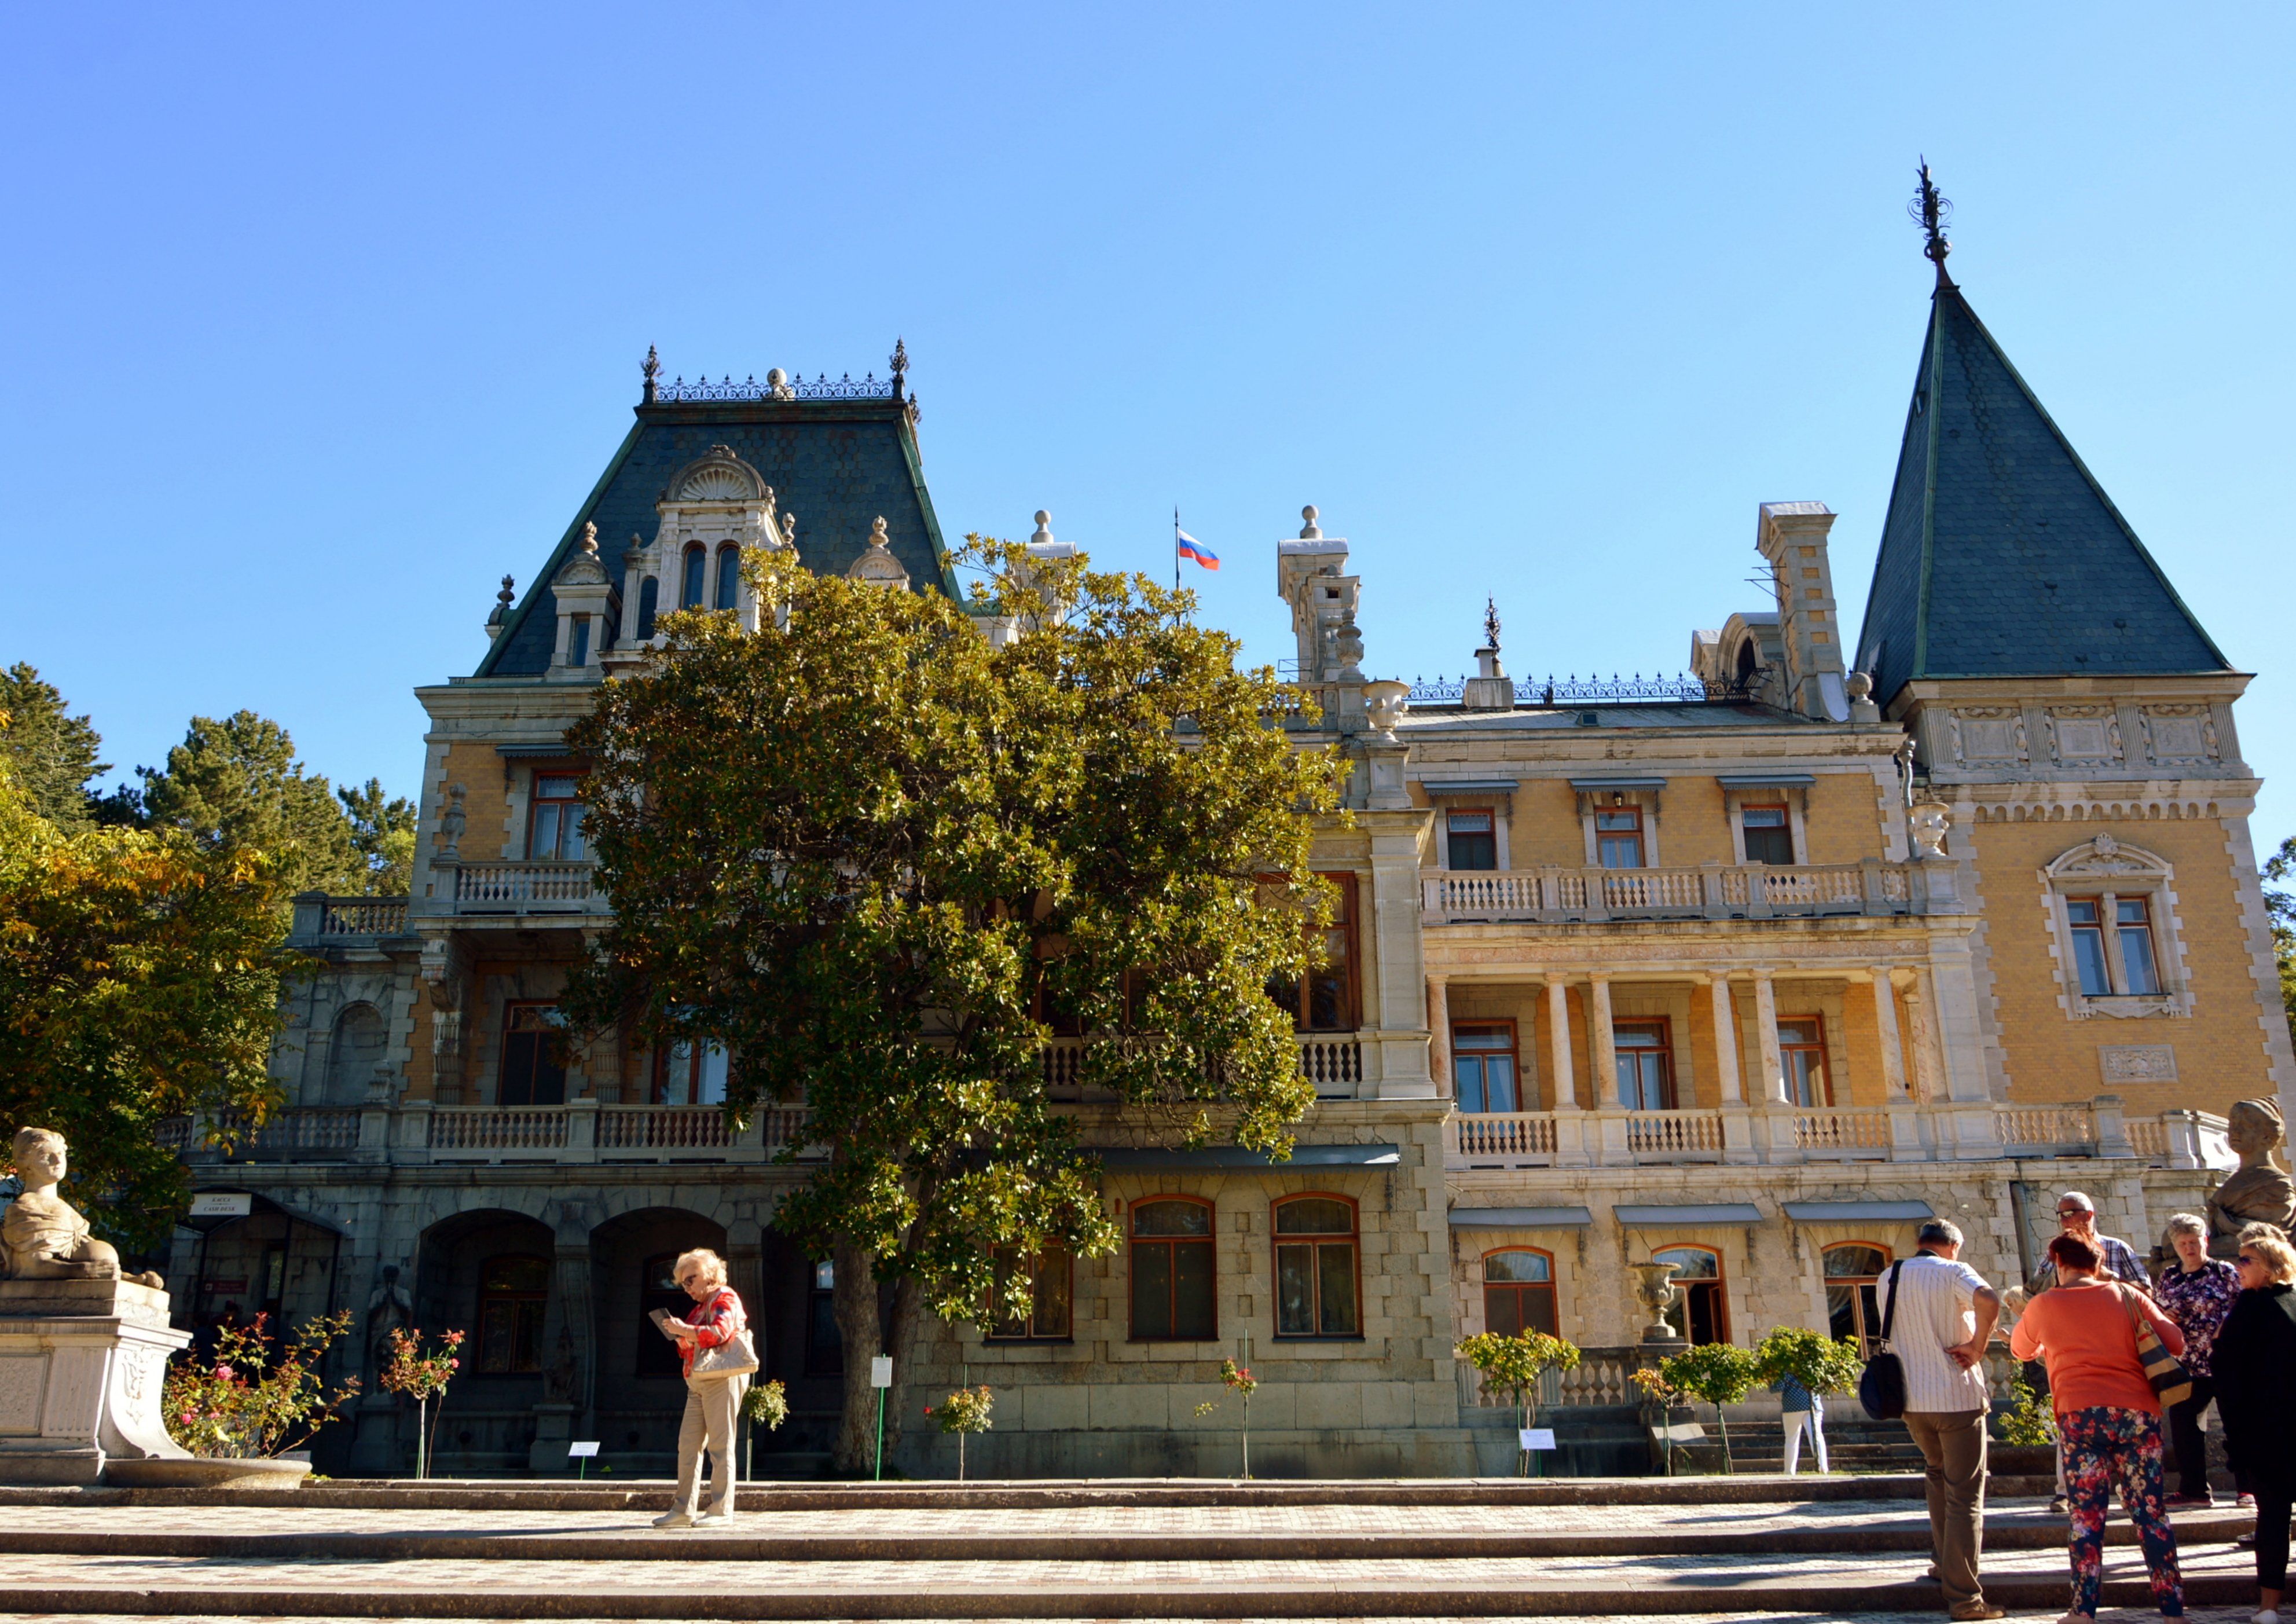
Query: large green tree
[[2281, 906], [139, 980], [52, 753], [874, 859], [383, 833], [234, 785]]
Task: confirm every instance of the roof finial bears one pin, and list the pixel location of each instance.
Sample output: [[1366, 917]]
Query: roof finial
[[1932, 213], [1308, 531], [650, 371], [899, 361], [1491, 623]]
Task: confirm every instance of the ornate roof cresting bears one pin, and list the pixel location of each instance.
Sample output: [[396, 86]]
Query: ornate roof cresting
[[1933, 213], [650, 369]]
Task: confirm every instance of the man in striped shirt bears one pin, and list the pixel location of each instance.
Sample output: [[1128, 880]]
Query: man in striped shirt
[[1943, 1316], [2077, 1216]]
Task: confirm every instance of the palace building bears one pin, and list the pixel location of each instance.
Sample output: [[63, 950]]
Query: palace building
[[1748, 972]]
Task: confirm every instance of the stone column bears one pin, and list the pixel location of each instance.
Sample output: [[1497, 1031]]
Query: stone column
[[1439, 1037], [1926, 1085], [1773, 1090], [1602, 1047], [1885, 1024], [1563, 1087], [1725, 1038]]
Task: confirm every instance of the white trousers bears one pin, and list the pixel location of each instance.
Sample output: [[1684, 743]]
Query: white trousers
[[1795, 1421]]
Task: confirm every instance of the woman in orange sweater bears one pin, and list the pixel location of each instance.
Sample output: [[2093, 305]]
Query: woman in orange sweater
[[2085, 1329]]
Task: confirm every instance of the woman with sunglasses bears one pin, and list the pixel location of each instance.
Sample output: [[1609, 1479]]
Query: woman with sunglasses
[[2255, 1368]]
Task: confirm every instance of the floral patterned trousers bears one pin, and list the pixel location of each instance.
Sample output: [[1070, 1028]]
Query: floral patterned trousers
[[2104, 1447]]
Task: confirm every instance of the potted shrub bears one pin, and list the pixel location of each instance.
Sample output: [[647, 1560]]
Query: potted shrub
[[1514, 1365], [252, 1399]]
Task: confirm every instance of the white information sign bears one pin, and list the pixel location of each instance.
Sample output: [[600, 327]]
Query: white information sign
[[222, 1203], [577, 1450], [880, 1371], [1537, 1438], [1681, 1432]]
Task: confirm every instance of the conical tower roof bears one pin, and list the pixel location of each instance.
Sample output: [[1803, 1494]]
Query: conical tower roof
[[2001, 554]]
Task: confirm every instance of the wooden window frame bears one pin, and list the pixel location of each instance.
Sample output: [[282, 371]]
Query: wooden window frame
[[1785, 826], [1818, 1047], [1343, 881], [511, 1030], [1553, 1288], [1316, 1243], [520, 1299], [1863, 1292], [1720, 1285], [1490, 834], [1133, 1240], [2117, 952], [536, 802], [1664, 1048], [1639, 833], [991, 1327], [1514, 1052], [666, 1059]]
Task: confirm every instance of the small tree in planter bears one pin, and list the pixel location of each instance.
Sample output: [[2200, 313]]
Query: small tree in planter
[[1239, 1381], [1663, 1395], [1514, 1365], [421, 1376], [1821, 1364], [1718, 1374], [253, 1401], [765, 1405], [965, 1410]]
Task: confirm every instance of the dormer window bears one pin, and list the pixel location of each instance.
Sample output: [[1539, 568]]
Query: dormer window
[[649, 596], [578, 653]]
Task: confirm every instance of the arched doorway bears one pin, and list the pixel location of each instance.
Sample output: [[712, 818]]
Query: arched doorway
[[639, 1394], [489, 1275]]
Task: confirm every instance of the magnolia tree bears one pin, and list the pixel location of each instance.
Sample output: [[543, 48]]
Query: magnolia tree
[[1514, 1365], [1718, 1373], [873, 858]]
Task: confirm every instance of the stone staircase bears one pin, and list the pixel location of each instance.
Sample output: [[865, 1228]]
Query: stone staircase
[[1748, 1548]]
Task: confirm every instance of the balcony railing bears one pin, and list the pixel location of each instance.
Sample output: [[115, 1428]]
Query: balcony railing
[[581, 1131], [1777, 1135], [321, 919], [521, 888], [1573, 896], [1332, 1060]]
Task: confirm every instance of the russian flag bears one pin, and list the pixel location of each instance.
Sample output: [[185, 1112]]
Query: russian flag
[[1190, 547]]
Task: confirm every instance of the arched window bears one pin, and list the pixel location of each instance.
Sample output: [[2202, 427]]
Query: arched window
[[1172, 1283], [729, 575], [513, 1290], [1318, 1290], [351, 1056], [1700, 1313], [649, 596], [697, 565], [1852, 1307], [1519, 1290], [658, 1288]]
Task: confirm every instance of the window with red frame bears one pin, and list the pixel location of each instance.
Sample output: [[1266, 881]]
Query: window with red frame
[[1519, 1290], [1318, 1288], [1172, 1271]]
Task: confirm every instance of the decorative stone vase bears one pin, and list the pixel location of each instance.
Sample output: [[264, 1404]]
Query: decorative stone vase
[[1654, 1289]]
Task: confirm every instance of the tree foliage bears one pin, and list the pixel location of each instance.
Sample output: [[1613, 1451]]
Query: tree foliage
[[2281, 906], [1822, 1364], [51, 754], [1720, 1372], [234, 785], [383, 833], [139, 980], [874, 859]]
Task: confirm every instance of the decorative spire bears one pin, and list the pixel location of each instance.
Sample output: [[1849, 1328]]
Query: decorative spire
[[899, 362], [1491, 623], [590, 539], [501, 616], [650, 371], [1932, 213], [1307, 531]]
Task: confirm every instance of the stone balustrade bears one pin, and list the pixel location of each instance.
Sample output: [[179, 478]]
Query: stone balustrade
[[522, 887], [1714, 890], [578, 1131], [1777, 1135], [1332, 1060]]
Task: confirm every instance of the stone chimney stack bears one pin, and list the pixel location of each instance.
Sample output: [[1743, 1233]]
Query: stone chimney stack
[[1791, 538]]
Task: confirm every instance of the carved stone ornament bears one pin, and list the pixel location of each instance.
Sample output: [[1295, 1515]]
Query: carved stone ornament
[[877, 565], [2260, 1193], [1386, 702], [2083, 734], [44, 1237], [1930, 821], [451, 823], [2101, 855], [2137, 1062], [2179, 735], [1986, 733], [717, 475]]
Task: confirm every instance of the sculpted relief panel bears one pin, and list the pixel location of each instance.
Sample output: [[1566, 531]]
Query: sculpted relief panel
[[2084, 735], [1987, 736], [2180, 735]]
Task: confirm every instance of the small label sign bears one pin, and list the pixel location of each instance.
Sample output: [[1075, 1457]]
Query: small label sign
[[222, 1204], [1681, 1432], [880, 1371], [579, 1450], [1537, 1438]]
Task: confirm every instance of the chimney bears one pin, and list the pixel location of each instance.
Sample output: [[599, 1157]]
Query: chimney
[[1791, 538]]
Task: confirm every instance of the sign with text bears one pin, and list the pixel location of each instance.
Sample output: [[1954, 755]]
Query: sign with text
[[580, 1450], [880, 1371], [1537, 1438], [222, 1204], [1680, 1433]]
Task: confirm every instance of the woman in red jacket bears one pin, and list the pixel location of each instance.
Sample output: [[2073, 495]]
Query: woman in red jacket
[[2085, 1330]]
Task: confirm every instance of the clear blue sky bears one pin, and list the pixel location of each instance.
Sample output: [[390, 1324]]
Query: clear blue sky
[[320, 319]]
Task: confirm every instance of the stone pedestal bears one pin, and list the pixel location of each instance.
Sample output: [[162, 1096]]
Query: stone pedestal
[[82, 1363], [554, 1429]]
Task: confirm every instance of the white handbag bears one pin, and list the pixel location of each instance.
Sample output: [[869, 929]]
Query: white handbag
[[736, 1358]]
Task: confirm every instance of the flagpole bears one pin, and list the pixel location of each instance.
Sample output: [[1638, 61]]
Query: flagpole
[[1175, 548]]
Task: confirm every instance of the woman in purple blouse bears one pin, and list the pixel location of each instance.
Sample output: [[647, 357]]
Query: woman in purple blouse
[[2197, 1291]]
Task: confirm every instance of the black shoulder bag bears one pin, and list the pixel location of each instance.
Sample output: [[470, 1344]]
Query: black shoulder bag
[[1882, 1390]]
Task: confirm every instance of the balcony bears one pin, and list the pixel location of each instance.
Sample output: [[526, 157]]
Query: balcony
[[579, 1131], [1753, 890], [322, 921], [1783, 1135], [522, 888], [1332, 1060]]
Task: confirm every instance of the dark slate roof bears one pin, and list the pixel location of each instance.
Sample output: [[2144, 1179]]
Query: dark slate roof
[[837, 465], [2001, 554]]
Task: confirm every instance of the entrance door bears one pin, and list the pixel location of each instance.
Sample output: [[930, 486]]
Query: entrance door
[[1645, 1066]]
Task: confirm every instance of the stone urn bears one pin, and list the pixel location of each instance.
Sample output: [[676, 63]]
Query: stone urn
[[1654, 1289]]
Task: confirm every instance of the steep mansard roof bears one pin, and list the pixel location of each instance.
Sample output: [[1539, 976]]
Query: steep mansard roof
[[2001, 554], [838, 464]]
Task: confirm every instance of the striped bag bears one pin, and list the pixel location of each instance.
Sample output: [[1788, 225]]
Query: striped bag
[[2172, 1383]]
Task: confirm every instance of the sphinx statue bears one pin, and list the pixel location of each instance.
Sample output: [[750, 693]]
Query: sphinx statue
[[44, 1237], [2261, 1191]]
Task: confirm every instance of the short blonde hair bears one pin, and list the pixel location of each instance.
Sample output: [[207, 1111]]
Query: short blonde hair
[[713, 1266], [2187, 1223], [2268, 1243]]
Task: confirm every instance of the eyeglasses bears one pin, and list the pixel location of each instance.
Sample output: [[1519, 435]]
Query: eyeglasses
[[2251, 1262]]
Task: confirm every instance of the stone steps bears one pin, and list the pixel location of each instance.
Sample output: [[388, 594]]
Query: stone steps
[[1744, 1548]]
